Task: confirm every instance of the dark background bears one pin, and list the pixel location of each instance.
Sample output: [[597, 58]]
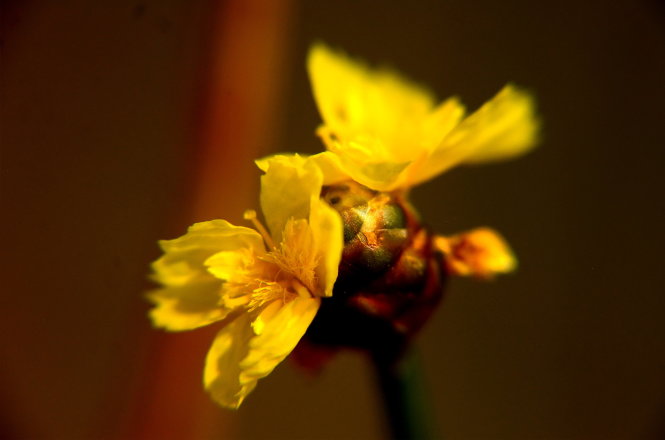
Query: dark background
[[102, 153]]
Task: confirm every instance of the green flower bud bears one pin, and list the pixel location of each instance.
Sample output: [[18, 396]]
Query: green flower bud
[[390, 276]]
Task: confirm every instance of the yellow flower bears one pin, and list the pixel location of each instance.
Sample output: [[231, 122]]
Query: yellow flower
[[264, 287], [388, 133]]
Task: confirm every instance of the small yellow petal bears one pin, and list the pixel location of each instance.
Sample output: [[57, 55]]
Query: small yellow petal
[[481, 252]]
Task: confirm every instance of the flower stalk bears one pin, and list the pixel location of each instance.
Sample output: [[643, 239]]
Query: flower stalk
[[403, 394]]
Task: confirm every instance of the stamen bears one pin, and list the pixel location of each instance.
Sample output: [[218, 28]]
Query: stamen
[[301, 290], [250, 215]]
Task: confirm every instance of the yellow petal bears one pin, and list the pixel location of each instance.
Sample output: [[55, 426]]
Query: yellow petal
[[388, 134], [440, 122], [369, 163], [504, 127], [266, 315], [187, 307], [330, 166], [227, 265], [221, 376], [282, 326], [358, 104], [287, 188], [291, 189], [191, 295], [328, 235], [245, 351], [184, 257], [380, 125], [481, 252]]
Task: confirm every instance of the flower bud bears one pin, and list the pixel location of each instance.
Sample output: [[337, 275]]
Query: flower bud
[[390, 278]]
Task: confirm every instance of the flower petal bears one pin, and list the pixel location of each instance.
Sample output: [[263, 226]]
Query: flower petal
[[187, 307], [330, 166], [228, 265], [184, 257], [287, 188], [244, 351], [441, 121], [221, 376], [279, 328], [388, 134], [507, 126], [481, 253], [504, 127], [191, 295], [328, 233], [357, 103], [368, 163]]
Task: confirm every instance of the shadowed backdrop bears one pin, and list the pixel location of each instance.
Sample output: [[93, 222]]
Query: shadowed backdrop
[[123, 123]]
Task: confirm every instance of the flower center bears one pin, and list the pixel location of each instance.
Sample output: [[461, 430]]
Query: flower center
[[295, 260]]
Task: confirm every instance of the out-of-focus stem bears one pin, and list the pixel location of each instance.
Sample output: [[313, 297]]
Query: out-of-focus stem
[[403, 394]]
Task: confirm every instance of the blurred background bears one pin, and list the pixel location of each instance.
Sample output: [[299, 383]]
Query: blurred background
[[124, 122]]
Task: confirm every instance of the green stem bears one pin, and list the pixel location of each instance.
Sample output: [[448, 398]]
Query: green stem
[[403, 391]]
